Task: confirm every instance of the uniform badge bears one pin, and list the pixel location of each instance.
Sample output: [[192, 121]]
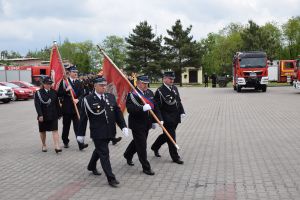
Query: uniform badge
[[111, 108]]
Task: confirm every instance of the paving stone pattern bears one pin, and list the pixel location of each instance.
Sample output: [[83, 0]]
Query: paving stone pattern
[[235, 146]]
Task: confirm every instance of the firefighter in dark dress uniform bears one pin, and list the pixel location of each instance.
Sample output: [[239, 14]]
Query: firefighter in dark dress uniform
[[214, 80], [206, 79], [68, 109], [48, 111], [140, 121], [103, 113], [169, 103]]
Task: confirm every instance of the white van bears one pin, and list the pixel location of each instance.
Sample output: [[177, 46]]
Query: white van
[[6, 94]]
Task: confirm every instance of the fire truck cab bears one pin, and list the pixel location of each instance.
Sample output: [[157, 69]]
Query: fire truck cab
[[250, 70], [296, 82], [286, 71]]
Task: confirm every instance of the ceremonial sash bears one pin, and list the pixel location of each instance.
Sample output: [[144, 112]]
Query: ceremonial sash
[[72, 89], [146, 99]]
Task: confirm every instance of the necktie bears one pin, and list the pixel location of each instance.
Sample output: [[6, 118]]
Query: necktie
[[102, 101]]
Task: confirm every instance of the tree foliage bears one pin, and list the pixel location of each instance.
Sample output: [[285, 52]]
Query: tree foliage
[[144, 50], [181, 50], [115, 47], [78, 54], [291, 31]]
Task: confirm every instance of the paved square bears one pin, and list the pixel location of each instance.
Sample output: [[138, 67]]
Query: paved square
[[235, 146]]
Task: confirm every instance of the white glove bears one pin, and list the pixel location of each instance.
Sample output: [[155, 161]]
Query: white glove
[[154, 125], [146, 107], [162, 122], [182, 115], [80, 139], [125, 132]]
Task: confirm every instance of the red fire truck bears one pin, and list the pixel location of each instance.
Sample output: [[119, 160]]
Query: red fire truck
[[286, 71], [296, 81], [24, 73], [250, 70]]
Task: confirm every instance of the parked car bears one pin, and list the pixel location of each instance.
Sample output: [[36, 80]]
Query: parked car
[[24, 84], [20, 93], [6, 94]]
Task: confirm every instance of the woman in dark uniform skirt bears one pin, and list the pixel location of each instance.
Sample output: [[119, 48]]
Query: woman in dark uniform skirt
[[48, 110]]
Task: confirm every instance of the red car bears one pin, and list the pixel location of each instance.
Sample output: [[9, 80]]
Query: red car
[[26, 85], [20, 93]]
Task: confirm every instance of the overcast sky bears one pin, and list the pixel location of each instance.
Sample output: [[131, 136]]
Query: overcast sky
[[33, 24]]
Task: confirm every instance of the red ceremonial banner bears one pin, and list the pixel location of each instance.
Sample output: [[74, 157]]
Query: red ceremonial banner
[[56, 67], [116, 83]]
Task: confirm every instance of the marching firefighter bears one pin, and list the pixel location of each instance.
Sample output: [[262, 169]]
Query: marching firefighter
[[103, 113], [140, 121], [170, 106], [68, 108]]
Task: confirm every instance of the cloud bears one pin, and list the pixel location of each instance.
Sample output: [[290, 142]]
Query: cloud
[[33, 24]]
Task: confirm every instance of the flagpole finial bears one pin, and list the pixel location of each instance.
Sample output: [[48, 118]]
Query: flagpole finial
[[54, 42]]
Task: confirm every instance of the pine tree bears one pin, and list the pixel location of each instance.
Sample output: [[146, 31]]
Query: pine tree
[[181, 50], [144, 50]]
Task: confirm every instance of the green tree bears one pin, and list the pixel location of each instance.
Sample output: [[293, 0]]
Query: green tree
[[251, 37], [218, 49], [79, 54], [144, 50], [271, 40], [14, 54], [82, 58], [181, 50], [43, 54], [291, 31], [8, 55], [115, 47]]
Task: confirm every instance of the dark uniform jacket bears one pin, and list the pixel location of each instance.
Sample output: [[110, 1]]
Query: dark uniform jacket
[[206, 78], [103, 118], [138, 119], [66, 98], [169, 104], [46, 104]]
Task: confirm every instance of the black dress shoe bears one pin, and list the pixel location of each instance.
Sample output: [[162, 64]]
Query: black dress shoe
[[66, 146], [114, 183], [148, 172], [116, 140], [178, 161], [129, 162], [156, 153], [95, 172], [82, 146]]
